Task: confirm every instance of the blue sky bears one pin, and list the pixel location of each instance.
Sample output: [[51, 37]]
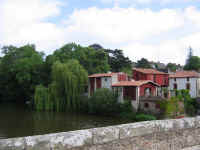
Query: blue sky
[[159, 30]]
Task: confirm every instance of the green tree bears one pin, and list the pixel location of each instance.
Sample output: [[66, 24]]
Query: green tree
[[92, 60], [193, 63], [20, 71], [117, 61], [68, 83], [143, 63], [172, 67]]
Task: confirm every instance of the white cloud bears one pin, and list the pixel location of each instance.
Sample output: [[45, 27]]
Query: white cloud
[[160, 2], [26, 22], [157, 35]]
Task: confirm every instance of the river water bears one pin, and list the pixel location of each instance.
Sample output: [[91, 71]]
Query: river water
[[18, 121]]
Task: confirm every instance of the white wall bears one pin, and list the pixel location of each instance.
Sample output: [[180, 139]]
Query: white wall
[[106, 82], [181, 84], [114, 78]]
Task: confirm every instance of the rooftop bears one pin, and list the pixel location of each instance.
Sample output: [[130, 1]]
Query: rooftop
[[133, 83], [104, 74], [148, 71], [184, 74]]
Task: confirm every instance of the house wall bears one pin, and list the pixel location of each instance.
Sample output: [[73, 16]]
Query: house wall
[[198, 87], [139, 76], [148, 85], [106, 82], [181, 84], [153, 107], [114, 78], [122, 77], [161, 79]]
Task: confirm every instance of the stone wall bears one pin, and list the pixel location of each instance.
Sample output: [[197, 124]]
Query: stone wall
[[151, 135]]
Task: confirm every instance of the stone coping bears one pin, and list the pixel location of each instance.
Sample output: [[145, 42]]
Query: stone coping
[[68, 140]]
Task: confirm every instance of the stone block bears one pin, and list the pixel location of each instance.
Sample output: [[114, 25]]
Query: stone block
[[104, 135]]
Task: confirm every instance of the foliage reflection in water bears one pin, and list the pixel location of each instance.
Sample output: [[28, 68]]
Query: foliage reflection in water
[[17, 121]]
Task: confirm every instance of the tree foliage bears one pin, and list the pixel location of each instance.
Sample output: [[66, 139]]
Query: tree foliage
[[193, 63], [143, 63], [21, 69], [93, 61], [68, 83], [172, 67], [117, 61]]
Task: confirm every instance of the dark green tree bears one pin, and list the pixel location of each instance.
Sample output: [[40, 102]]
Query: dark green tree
[[193, 63], [143, 63], [21, 69], [93, 61], [172, 67], [118, 62]]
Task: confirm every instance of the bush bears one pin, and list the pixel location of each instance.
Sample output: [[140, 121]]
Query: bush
[[128, 116], [144, 117], [125, 106], [103, 101]]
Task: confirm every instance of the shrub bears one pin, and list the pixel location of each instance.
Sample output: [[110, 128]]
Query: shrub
[[144, 117], [103, 101]]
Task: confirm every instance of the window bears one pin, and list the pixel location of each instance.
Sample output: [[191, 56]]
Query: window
[[175, 86], [188, 79], [175, 79], [157, 106], [106, 79], [188, 86], [146, 105]]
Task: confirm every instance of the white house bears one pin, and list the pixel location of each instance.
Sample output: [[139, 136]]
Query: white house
[[189, 80], [104, 80]]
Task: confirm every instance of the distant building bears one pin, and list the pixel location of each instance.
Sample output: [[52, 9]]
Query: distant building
[[189, 80], [104, 80]]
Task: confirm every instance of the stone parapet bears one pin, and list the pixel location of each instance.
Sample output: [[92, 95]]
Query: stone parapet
[[174, 134]]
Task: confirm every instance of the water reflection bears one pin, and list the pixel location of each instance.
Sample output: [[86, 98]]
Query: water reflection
[[17, 121]]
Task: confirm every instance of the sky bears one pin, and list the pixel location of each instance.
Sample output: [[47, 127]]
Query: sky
[[159, 30]]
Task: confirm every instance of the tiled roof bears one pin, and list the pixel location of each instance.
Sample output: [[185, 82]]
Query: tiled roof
[[133, 83], [184, 74], [148, 71], [102, 75]]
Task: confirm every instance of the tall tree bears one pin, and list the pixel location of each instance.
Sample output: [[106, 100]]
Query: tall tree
[[193, 63], [117, 61], [143, 63], [172, 67], [93, 61], [190, 54], [68, 82], [20, 71]]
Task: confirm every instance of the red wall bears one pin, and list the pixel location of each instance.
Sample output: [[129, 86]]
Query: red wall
[[91, 85], [161, 79], [148, 85], [122, 77], [98, 83], [139, 76]]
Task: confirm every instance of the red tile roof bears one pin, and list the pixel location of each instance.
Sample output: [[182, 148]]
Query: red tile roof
[[184, 74], [102, 75], [133, 83], [148, 71]]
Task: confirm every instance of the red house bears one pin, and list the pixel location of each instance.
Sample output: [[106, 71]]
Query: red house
[[161, 78], [135, 90]]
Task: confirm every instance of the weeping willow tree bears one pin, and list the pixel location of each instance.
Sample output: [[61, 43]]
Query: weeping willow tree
[[68, 82]]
